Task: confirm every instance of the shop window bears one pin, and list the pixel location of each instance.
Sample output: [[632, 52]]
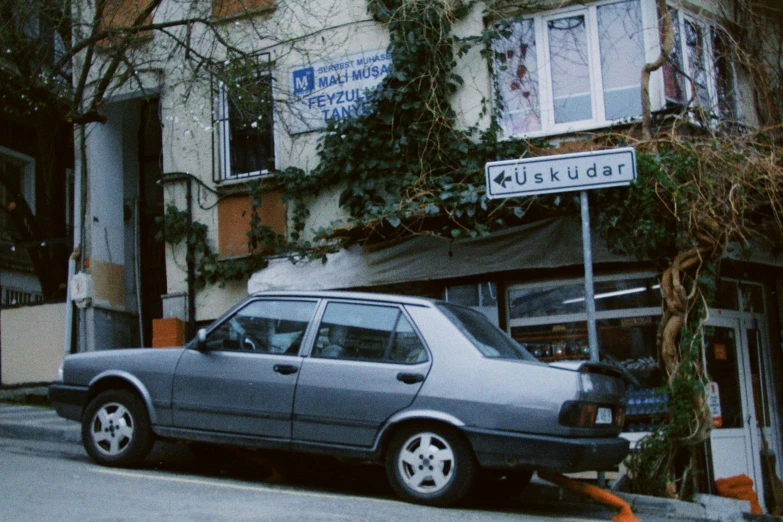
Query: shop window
[[700, 72], [752, 298], [569, 298], [221, 8], [246, 127], [571, 69], [234, 215], [482, 297], [726, 296], [745, 297], [550, 321], [482, 294]]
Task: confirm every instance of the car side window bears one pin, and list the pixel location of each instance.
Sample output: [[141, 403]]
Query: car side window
[[265, 326], [369, 333]]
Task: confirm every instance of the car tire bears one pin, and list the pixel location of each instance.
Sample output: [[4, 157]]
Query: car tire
[[116, 429], [430, 464]]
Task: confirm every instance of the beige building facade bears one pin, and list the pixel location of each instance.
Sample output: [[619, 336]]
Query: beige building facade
[[179, 135]]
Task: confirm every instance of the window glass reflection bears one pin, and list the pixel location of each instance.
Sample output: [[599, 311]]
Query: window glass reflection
[[622, 50], [516, 66], [628, 342], [723, 368], [569, 298], [674, 86], [570, 69], [752, 298], [694, 43], [724, 75]]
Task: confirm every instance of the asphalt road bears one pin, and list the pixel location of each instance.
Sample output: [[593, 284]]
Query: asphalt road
[[56, 481]]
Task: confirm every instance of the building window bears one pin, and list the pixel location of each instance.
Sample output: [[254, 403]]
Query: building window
[[235, 214], [549, 319], [222, 8], [124, 14], [245, 127], [481, 297], [700, 73], [571, 69], [17, 173]]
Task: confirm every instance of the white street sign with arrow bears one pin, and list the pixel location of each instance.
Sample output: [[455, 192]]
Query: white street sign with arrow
[[562, 173], [581, 172]]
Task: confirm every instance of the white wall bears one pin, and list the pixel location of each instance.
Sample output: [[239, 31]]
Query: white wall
[[32, 343]]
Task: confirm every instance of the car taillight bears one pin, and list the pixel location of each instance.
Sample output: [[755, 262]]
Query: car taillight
[[582, 414]]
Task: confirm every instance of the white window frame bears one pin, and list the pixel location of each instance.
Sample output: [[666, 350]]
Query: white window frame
[[691, 98], [651, 47], [224, 138]]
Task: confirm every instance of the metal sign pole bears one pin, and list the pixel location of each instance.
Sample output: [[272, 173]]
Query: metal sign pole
[[587, 250], [592, 332]]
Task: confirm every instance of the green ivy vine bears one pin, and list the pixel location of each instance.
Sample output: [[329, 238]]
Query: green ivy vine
[[175, 227]]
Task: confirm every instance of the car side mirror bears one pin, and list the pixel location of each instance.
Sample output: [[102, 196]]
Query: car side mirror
[[201, 339]]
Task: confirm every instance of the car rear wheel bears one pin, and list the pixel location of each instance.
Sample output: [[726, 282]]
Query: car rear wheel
[[430, 464], [116, 429]]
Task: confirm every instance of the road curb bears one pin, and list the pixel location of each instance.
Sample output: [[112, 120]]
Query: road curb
[[50, 434]]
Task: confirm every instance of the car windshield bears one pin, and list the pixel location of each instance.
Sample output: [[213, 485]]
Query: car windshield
[[489, 339]]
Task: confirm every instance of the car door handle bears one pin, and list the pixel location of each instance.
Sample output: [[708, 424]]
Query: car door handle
[[410, 378], [285, 369]]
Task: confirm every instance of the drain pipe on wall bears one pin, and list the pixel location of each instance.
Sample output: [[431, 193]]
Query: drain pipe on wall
[[137, 268], [190, 255], [78, 175]]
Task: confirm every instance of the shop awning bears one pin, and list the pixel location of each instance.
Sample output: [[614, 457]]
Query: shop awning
[[549, 243]]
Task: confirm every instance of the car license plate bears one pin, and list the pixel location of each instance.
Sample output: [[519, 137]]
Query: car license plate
[[604, 416]]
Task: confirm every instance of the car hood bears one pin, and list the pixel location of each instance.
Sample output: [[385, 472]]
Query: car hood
[[83, 368]]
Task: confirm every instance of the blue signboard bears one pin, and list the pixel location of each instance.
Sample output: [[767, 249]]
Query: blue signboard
[[334, 89]]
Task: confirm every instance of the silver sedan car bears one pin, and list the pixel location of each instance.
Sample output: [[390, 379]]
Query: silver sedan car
[[430, 389]]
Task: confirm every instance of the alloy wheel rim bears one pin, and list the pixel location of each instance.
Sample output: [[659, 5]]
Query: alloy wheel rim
[[112, 429], [426, 463]]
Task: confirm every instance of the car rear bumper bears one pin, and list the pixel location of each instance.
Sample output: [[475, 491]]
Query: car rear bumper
[[498, 449], [68, 401]]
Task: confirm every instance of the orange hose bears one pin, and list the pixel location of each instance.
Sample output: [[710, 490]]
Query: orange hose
[[740, 487], [599, 495]]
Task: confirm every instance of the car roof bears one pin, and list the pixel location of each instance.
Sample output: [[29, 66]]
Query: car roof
[[338, 294]]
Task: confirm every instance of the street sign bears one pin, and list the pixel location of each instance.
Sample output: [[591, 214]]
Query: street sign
[[562, 173], [581, 171]]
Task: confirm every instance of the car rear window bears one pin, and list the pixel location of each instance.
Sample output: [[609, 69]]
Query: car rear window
[[485, 336]]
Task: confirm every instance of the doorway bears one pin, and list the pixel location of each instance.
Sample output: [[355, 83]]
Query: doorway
[[745, 428], [151, 261]]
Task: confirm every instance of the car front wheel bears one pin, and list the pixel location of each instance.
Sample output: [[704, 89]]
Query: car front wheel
[[430, 464], [116, 429]]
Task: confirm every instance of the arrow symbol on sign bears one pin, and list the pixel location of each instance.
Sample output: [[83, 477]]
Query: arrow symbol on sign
[[501, 179]]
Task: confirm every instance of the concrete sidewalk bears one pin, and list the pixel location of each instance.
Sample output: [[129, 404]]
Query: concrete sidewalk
[[19, 419]]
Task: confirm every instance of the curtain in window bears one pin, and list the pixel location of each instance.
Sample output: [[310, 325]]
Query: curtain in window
[[516, 77]]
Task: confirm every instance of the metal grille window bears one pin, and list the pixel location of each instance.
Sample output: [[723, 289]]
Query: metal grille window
[[246, 126], [16, 297]]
